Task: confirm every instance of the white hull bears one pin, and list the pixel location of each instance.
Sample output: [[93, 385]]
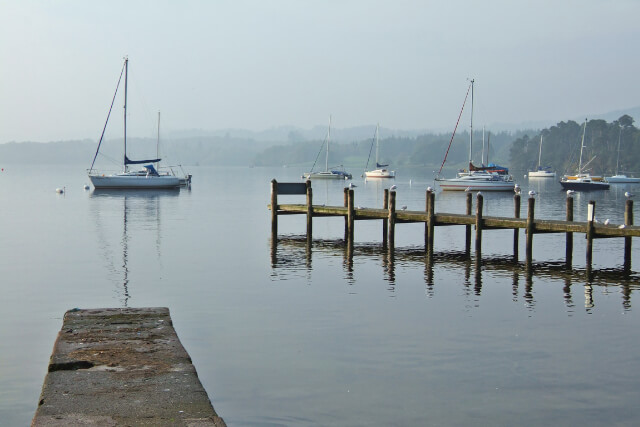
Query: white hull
[[326, 175], [622, 179], [380, 173], [476, 182], [125, 181], [542, 174]]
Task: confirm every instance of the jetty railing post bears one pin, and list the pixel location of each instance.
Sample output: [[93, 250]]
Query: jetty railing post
[[530, 218], [309, 211], [628, 220], [346, 218], [431, 219], [392, 219], [274, 206], [385, 224], [591, 214], [479, 205], [516, 231], [569, 236], [351, 214], [467, 244]]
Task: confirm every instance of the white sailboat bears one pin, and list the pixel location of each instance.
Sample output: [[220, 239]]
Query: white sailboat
[[381, 171], [541, 172], [619, 178], [475, 180], [148, 177], [326, 174]]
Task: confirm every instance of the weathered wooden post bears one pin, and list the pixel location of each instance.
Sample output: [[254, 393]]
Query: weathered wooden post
[[385, 224], [429, 226], [346, 218], [467, 244], [530, 219], [516, 231], [569, 236], [351, 215], [309, 211], [274, 206], [426, 224], [392, 219], [628, 220], [591, 214], [479, 205]]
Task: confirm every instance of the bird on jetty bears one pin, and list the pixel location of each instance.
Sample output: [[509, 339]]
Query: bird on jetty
[[404, 208], [606, 221], [628, 195], [532, 193], [429, 189], [622, 226], [467, 189], [393, 187], [570, 193], [516, 189], [352, 185]]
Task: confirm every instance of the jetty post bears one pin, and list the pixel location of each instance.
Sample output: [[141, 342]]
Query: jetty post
[[392, 220], [467, 243], [346, 218], [351, 215], [628, 220], [429, 225], [569, 235], [385, 224], [274, 207], [530, 225], [479, 206], [309, 211], [591, 215], [516, 231]]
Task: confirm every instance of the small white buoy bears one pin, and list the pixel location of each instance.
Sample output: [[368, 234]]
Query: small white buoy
[[410, 183], [59, 190], [525, 175], [86, 187]]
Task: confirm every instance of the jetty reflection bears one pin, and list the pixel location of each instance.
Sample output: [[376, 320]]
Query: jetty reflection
[[291, 254], [135, 208]]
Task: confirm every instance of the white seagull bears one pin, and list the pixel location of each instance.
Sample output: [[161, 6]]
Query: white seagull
[[467, 189], [393, 187], [516, 189], [479, 193], [404, 208], [628, 195], [532, 193], [570, 193], [622, 226], [352, 185], [429, 189], [606, 221]]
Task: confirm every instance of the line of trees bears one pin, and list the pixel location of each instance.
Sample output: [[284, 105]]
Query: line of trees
[[561, 147]]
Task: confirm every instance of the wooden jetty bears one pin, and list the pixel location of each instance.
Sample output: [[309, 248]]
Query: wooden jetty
[[390, 216]]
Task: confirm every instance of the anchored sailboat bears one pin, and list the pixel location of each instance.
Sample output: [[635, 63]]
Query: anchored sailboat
[[583, 181], [148, 177], [541, 172], [381, 171], [621, 178], [326, 174], [474, 180]]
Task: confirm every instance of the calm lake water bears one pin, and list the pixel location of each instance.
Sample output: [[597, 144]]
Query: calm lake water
[[285, 336]]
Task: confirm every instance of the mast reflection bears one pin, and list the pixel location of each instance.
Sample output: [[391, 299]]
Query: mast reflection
[[140, 209]]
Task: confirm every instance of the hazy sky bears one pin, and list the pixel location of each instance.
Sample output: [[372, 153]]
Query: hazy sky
[[264, 63]]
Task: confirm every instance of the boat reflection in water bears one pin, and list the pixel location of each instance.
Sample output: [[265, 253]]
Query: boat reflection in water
[[292, 256], [138, 211]]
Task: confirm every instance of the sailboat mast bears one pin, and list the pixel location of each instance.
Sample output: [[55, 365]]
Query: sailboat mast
[[471, 134], [482, 155], [158, 143], [126, 78], [378, 145], [584, 130], [618, 159], [326, 162], [540, 153]]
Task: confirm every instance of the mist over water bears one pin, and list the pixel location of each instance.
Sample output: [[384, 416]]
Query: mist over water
[[286, 334]]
